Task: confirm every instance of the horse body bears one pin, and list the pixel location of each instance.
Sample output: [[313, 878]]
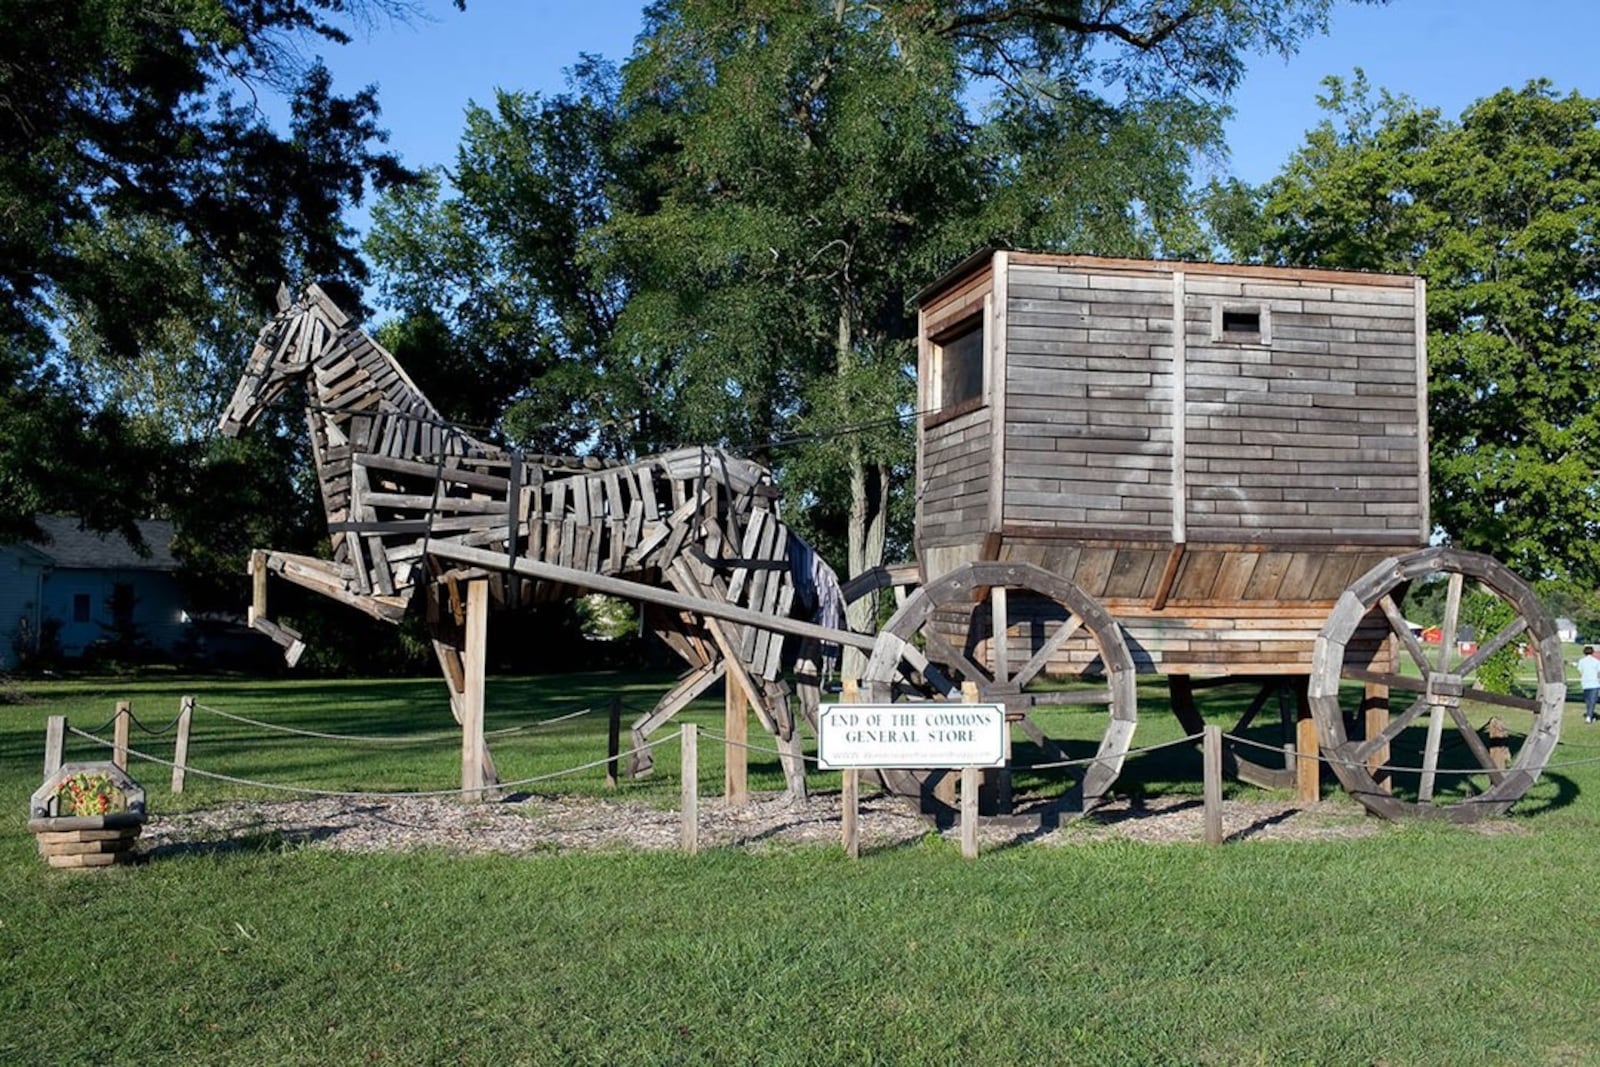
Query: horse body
[[400, 485]]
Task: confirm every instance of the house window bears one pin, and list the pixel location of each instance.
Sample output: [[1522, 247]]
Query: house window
[[1241, 324], [958, 359], [80, 607]]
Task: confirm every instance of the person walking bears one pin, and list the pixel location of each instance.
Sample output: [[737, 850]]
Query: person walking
[[1589, 679]]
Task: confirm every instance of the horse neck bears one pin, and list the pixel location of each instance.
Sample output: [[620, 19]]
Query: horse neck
[[359, 396]]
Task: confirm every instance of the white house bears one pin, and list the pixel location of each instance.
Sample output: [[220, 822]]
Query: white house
[[78, 587]]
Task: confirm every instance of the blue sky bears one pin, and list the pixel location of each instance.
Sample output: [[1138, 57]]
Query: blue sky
[[1444, 53]]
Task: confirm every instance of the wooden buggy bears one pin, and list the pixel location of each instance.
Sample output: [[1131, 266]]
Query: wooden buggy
[[1211, 473], [1218, 474]]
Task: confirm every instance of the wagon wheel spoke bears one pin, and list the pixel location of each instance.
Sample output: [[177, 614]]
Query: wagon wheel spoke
[[1397, 624], [1452, 618], [947, 654], [999, 626], [930, 671], [1394, 681], [1430, 754], [1516, 629], [1069, 697], [1387, 735], [1051, 646], [1503, 700], [1475, 743]]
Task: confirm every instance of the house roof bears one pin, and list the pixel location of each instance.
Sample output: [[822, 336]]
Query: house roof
[[69, 546]]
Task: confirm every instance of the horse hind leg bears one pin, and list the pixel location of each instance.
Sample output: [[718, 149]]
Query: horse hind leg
[[688, 688], [791, 753]]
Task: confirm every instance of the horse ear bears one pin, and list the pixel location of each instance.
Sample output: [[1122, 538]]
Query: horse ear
[[284, 299]]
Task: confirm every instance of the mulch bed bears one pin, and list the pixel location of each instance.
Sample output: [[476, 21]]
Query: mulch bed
[[529, 825]]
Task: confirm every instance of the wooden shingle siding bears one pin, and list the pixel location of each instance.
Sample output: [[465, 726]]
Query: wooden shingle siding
[[1088, 395], [1314, 432], [952, 499], [1219, 535]]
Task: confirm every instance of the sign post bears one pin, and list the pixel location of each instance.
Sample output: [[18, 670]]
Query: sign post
[[913, 737]]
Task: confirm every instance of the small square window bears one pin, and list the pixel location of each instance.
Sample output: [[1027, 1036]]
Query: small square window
[[1241, 324]]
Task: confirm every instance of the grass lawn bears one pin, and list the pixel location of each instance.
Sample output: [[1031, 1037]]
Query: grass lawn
[[1421, 944]]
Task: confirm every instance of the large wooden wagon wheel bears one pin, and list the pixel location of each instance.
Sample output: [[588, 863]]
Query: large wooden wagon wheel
[[1367, 663], [1028, 639]]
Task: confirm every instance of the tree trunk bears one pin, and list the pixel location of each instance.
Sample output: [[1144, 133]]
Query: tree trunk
[[868, 529]]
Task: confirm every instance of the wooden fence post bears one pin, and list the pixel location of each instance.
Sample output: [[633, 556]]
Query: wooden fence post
[[690, 833], [1211, 747], [613, 741], [735, 744], [180, 755], [970, 777], [1499, 743], [55, 736], [850, 786], [119, 751], [1307, 777], [1377, 711], [474, 666]]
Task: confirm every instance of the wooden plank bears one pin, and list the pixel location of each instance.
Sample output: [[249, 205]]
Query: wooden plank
[[689, 789], [180, 755], [473, 778], [55, 735], [736, 738], [997, 383], [601, 583], [1420, 326], [119, 751], [1180, 412], [1307, 783], [970, 779], [1211, 763]]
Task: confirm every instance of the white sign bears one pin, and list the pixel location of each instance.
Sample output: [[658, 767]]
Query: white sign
[[911, 735]]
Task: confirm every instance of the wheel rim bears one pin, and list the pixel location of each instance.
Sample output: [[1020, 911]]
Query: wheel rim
[[1442, 766], [1008, 628]]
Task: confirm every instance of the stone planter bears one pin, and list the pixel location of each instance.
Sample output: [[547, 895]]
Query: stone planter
[[81, 841]]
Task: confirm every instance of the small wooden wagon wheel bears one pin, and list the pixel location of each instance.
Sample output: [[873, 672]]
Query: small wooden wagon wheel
[[1028, 639], [1366, 652]]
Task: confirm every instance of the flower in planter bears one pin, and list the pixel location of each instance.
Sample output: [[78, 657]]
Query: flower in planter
[[89, 794]]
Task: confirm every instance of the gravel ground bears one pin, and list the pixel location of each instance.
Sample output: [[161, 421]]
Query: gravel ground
[[542, 824]]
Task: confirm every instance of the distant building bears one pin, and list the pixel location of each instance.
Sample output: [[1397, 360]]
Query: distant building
[[78, 589], [1566, 629]]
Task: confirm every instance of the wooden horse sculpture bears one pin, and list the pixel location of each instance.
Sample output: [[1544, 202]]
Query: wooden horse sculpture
[[413, 501]]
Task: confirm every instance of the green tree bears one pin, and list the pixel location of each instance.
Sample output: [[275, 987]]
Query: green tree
[[146, 200], [741, 224], [802, 168], [1500, 212], [505, 320]]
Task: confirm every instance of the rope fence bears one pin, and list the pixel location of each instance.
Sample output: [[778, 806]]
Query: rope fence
[[365, 794], [426, 739], [1211, 741]]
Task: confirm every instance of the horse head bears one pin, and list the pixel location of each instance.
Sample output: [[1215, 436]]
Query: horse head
[[284, 352]]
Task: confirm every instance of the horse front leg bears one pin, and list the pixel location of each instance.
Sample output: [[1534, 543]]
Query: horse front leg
[[256, 615]]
